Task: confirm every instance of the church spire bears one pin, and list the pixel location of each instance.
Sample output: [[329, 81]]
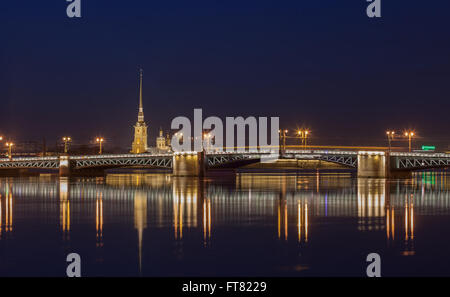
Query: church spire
[[141, 107], [139, 144]]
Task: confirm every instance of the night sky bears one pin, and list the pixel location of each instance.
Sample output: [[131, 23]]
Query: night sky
[[321, 64]]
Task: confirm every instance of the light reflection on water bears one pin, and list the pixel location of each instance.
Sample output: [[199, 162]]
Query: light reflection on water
[[247, 224]]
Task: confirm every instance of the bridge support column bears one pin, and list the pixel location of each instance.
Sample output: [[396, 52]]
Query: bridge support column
[[64, 166], [373, 164], [189, 164]]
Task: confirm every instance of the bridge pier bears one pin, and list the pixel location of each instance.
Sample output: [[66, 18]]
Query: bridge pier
[[373, 164], [64, 166], [189, 164]]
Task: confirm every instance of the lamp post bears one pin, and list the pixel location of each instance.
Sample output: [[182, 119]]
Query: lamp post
[[100, 140], [410, 135], [179, 136], [303, 135], [9, 145], [66, 141], [283, 136], [390, 136], [207, 136]]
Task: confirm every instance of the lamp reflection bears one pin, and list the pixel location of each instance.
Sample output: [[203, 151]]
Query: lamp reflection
[[302, 220], [302, 214], [206, 221], [282, 218], [64, 207], [8, 206], [7, 227], [185, 196], [371, 203], [390, 222], [99, 219], [409, 226]]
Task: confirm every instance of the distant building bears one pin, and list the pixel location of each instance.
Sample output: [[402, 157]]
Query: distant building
[[162, 143], [139, 145]]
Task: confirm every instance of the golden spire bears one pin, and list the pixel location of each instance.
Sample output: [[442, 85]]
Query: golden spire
[[141, 107]]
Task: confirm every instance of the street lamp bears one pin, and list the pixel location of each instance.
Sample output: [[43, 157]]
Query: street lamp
[[100, 141], [207, 136], [66, 141], [303, 135], [390, 136], [10, 145], [409, 134], [283, 135], [179, 136]]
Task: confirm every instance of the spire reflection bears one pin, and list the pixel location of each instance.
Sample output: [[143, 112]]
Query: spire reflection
[[140, 219]]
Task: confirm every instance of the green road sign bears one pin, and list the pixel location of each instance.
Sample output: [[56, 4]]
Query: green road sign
[[428, 147]]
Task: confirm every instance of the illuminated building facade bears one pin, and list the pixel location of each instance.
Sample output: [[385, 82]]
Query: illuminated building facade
[[162, 143]]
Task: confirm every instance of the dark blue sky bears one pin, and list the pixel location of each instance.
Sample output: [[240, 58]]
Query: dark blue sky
[[323, 64]]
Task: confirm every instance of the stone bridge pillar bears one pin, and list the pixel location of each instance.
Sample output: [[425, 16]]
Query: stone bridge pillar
[[189, 164], [373, 164], [64, 166]]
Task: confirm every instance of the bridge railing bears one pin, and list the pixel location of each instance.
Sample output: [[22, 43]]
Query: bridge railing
[[321, 152], [29, 159], [429, 155], [252, 151], [119, 156]]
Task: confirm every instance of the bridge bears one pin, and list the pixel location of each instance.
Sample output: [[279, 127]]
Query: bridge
[[186, 163], [367, 163]]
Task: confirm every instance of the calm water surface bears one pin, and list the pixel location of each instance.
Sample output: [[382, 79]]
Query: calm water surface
[[247, 224]]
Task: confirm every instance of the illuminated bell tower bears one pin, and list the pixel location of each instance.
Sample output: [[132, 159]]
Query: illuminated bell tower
[[140, 129]]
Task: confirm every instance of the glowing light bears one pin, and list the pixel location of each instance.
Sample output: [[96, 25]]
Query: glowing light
[[370, 153]]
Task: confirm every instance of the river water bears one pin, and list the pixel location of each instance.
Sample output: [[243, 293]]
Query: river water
[[243, 224]]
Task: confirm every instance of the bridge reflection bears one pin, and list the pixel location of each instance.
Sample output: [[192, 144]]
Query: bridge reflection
[[290, 205]]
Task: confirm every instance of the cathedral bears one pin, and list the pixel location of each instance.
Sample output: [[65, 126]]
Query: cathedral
[[162, 143], [139, 145]]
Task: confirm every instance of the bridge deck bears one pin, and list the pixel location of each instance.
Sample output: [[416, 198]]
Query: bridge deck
[[399, 160]]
